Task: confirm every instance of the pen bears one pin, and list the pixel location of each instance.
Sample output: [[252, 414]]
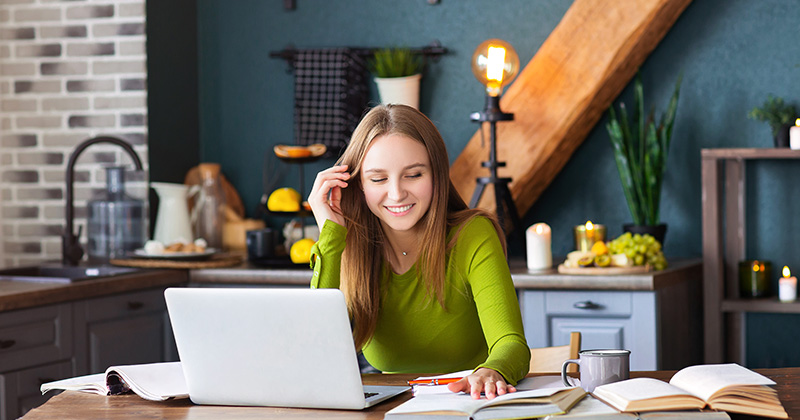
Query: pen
[[440, 381]]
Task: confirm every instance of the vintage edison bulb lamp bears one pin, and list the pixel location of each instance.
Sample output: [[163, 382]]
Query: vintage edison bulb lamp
[[495, 64]]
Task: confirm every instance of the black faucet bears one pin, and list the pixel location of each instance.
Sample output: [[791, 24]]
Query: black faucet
[[71, 249]]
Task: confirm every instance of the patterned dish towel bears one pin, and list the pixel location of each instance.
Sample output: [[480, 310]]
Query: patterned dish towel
[[331, 95]]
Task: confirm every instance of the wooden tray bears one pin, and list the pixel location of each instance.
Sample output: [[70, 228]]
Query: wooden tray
[[604, 271], [219, 261]]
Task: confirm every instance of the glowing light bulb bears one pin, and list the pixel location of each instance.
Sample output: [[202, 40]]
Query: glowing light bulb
[[495, 64]]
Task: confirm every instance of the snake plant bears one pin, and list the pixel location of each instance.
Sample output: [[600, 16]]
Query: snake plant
[[641, 145], [395, 62]]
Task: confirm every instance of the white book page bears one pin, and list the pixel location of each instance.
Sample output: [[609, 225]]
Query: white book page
[[705, 380], [638, 389], [463, 402], [534, 382], [155, 381], [95, 384]]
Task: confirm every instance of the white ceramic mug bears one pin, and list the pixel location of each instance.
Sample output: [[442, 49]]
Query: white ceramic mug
[[599, 367]]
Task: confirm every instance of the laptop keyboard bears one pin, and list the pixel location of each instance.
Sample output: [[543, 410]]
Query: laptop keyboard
[[370, 394]]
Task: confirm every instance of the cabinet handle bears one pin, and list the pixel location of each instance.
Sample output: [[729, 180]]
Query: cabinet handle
[[133, 306], [4, 344], [586, 304]]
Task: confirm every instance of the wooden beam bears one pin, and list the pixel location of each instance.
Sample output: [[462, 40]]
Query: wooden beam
[[563, 92]]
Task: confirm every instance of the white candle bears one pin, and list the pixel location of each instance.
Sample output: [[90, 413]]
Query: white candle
[[540, 254], [794, 135], [787, 286]]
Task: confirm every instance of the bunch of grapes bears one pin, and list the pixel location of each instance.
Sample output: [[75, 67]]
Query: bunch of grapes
[[640, 249]]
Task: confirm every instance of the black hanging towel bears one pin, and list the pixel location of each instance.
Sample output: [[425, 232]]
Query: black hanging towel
[[330, 96]]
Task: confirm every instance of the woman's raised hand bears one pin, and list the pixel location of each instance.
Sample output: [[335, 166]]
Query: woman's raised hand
[[326, 195]]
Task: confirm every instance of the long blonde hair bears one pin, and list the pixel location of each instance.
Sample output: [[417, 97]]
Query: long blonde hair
[[366, 245]]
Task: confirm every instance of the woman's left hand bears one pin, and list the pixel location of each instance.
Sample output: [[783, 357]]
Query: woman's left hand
[[483, 380]]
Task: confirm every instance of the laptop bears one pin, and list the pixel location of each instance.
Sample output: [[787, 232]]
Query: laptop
[[269, 347]]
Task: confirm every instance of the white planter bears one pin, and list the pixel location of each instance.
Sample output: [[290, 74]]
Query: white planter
[[399, 90]]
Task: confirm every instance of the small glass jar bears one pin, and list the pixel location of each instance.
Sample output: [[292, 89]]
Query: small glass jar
[[209, 209], [755, 278]]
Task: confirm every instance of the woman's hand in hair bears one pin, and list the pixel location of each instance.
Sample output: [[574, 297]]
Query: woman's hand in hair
[[483, 380], [325, 198]]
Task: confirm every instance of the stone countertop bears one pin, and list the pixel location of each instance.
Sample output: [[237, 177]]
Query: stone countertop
[[25, 294], [20, 295], [678, 270]]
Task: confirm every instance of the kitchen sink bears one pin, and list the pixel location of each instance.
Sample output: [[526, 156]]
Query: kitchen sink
[[57, 273]]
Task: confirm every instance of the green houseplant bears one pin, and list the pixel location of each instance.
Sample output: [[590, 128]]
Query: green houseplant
[[641, 145], [398, 71], [779, 115]]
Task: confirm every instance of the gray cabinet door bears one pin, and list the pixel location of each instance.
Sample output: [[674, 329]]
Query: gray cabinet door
[[128, 328], [19, 390], [605, 319]]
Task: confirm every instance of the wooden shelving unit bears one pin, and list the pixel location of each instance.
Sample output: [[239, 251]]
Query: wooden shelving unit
[[723, 186]]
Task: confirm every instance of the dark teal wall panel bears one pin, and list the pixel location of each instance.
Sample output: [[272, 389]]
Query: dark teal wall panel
[[733, 53]]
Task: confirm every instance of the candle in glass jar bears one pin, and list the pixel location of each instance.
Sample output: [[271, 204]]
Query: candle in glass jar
[[754, 278], [787, 286], [587, 234], [538, 241]]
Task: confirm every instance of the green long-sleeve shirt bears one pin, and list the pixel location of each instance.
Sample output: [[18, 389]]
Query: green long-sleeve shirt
[[480, 327]]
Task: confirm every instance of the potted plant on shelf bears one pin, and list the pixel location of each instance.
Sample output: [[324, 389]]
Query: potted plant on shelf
[[397, 71], [779, 115], [641, 145]]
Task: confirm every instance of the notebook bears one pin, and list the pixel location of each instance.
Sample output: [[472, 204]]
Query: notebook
[[269, 347]]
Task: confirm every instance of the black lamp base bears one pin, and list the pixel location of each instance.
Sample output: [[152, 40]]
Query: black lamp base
[[504, 203]]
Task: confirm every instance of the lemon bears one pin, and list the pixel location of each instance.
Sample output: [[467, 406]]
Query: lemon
[[284, 199], [600, 248], [301, 251]]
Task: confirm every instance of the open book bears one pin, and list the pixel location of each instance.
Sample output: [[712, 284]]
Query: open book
[[590, 408], [154, 382], [515, 405], [725, 387], [533, 382]]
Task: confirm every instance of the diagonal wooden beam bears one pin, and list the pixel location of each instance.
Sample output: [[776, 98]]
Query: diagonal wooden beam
[[563, 92]]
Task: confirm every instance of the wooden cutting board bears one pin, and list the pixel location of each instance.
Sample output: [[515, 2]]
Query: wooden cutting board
[[604, 271]]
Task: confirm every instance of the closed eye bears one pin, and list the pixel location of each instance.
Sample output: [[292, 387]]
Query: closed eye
[[377, 180], [414, 175]]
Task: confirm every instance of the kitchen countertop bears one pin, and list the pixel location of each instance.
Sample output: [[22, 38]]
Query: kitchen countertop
[[25, 294], [523, 278], [20, 295]]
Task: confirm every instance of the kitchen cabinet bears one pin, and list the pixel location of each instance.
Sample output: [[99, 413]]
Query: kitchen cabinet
[[123, 329], [57, 341], [35, 346], [19, 390], [657, 316]]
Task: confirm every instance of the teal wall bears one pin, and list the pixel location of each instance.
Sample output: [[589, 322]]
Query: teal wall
[[733, 53]]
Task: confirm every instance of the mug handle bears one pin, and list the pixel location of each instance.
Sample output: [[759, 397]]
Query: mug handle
[[564, 371]]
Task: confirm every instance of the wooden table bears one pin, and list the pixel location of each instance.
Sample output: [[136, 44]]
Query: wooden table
[[75, 405]]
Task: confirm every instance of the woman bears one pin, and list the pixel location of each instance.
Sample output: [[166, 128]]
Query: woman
[[425, 277]]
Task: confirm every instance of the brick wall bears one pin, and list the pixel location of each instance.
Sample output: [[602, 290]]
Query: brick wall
[[69, 71]]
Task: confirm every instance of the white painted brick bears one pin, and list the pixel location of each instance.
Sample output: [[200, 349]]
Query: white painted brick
[[119, 67], [16, 105], [64, 68], [68, 139], [70, 103], [131, 9], [18, 69], [91, 12], [63, 31], [43, 14], [132, 48], [37, 86], [120, 102], [42, 122]]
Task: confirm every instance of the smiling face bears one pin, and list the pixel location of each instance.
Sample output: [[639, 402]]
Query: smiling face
[[397, 181]]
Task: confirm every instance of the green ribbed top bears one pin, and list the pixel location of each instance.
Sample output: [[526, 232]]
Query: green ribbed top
[[480, 327]]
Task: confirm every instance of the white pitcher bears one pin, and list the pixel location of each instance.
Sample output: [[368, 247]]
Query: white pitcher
[[172, 220]]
